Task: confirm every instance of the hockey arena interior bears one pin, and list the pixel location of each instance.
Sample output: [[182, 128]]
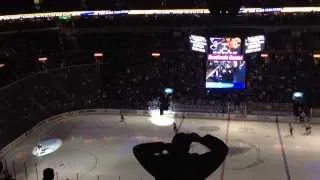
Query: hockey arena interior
[[163, 89]]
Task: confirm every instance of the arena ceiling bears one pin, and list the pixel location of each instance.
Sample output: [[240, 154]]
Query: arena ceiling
[[20, 6]]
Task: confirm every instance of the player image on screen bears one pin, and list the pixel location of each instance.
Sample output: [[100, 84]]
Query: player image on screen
[[225, 45], [226, 74], [225, 66]]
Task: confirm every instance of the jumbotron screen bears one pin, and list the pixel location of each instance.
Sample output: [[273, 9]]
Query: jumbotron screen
[[198, 43], [254, 44], [226, 68]]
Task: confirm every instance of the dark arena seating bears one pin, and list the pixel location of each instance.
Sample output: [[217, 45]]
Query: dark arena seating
[[129, 76]]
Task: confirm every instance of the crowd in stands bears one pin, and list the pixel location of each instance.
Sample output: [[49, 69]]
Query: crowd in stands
[[47, 174], [290, 66], [289, 63]]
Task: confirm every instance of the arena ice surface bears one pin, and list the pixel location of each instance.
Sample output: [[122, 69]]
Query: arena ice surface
[[102, 146]]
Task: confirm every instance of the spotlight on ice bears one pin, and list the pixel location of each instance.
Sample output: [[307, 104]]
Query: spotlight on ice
[[46, 147], [167, 119]]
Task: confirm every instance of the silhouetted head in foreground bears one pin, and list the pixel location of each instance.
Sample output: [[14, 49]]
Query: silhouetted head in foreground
[[172, 161], [181, 144], [48, 174]]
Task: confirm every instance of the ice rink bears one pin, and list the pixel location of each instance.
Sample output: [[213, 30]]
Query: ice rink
[[100, 147]]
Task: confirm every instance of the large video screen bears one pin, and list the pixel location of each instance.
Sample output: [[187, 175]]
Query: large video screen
[[226, 68], [254, 44], [225, 49], [198, 43]]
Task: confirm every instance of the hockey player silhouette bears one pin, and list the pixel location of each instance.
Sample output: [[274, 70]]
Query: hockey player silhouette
[[291, 128], [122, 119], [308, 129], [172, 161]]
